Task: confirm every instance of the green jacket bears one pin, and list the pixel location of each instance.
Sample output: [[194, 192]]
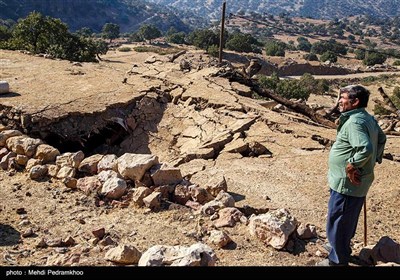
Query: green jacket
[[361, 142]]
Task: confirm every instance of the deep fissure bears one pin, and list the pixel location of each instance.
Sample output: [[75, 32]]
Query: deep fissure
[[105, 141]]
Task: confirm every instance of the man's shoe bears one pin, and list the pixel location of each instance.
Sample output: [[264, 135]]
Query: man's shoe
[[327, 262]]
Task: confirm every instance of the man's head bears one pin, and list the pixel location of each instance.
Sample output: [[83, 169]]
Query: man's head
[[353, 97]]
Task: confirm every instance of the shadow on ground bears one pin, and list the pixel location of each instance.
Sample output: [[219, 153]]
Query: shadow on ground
[[10, 94], [8, 235], [237, 197]]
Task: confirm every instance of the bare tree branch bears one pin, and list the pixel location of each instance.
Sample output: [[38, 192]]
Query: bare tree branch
[[335, 108], [176, 55], [389, 102]]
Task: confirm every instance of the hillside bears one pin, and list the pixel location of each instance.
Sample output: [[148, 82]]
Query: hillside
[[130, 15], [196, 120], [186, 15], [305, 8]]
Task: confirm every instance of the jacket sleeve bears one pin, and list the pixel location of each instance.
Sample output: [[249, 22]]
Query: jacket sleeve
[[362, 147], [381, 144]]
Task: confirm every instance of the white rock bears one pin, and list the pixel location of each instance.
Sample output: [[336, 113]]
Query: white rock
[[4, 87]]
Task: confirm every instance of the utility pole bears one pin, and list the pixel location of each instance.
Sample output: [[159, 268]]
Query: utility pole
[[221, 36]]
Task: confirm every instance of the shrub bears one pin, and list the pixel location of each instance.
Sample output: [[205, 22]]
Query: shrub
[[292, 89], [396, 63], [203, 38], [331, 45], [44, 34], [311, 85], [374, 58], [269, 82], [110, 31], [360, 54], [158, 50], [303, 44], [396, 97], [379, 110], [135, 37], [124, 49], [149, 32], [310, 57], [241, 42], [373, 79], [286, 88], [5, 34], [177, 38], [332, 57], [274, 48], [213, 50]]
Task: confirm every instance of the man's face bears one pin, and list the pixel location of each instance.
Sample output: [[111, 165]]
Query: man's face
[[347, 104]]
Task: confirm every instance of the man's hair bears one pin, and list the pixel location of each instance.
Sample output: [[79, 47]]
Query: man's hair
[[357, 91]]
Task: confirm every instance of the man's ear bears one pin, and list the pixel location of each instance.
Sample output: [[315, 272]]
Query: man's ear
[[355, 102]]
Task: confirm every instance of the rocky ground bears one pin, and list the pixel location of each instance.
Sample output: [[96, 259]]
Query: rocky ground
[[203, 111]]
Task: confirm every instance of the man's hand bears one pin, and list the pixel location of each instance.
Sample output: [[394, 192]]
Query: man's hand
[[353, 174]]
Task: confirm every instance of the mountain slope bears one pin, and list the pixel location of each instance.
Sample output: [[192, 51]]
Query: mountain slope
[[345, 8], [129, 14], [185, 15], [326, 9]]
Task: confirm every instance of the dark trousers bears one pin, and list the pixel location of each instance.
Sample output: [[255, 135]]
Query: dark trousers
[[343, 214]]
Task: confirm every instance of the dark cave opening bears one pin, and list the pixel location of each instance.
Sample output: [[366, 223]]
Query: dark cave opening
[[62, 144], [107, 140]]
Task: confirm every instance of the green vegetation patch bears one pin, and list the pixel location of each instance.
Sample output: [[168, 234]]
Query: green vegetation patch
[[124, 49], [157, 50]]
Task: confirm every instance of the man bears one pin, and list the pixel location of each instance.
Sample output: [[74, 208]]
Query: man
[[359, 145]]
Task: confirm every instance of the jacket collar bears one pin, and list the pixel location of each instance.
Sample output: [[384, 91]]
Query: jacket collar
[[352, 112], [346, 115]]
